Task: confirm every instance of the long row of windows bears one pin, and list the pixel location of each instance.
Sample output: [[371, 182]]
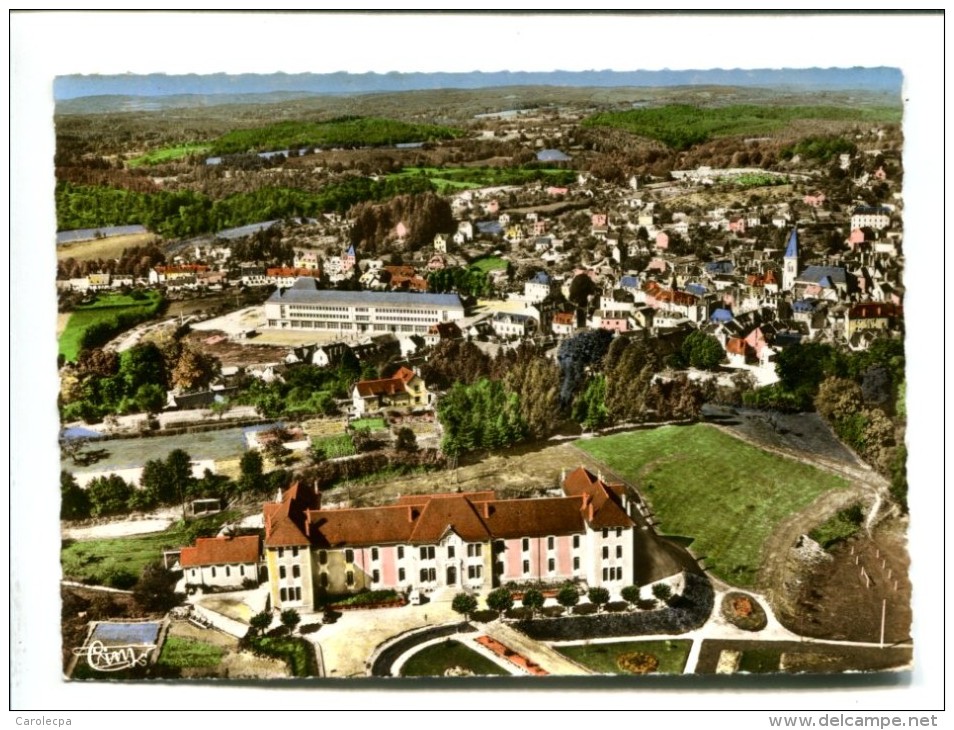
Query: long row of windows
[[551, 566], [212, 571], [426, 552]]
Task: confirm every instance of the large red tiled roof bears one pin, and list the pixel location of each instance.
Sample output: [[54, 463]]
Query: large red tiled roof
[[221, 550], [425, 519], [386, 386], [284, 520], [600, 501]]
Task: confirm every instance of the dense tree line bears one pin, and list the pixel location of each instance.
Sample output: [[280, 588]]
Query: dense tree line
[[423, 215], [467, 282], [134, 381], [183, 213], [338, 132], [165, 482]]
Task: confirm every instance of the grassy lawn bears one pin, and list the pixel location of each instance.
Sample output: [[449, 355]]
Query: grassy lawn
[[119, 561], [489, 263], [435, 660], [702, 483], [375, 424], [181, 653], [105, 308], [760, 661], [167, 154], [602, 658]]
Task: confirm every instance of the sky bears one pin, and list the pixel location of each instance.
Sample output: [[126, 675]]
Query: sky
[[47, 45], [75, 86]]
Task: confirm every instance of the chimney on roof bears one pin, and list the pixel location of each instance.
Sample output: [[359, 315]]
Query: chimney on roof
[[486, 510], [410, 513], [590, 517], [278, 495], [599, 475], [586, 499], [563, 475]]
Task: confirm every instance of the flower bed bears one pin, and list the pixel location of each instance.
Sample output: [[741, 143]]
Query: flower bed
[[744, 612], [638, 662]]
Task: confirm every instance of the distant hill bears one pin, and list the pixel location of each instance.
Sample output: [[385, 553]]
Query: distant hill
[[96, 94]]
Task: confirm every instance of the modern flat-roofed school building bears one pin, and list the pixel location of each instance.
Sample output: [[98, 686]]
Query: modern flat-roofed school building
[[305, 306]]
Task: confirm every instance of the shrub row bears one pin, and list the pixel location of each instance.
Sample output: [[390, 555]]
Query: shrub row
[[683, 614]]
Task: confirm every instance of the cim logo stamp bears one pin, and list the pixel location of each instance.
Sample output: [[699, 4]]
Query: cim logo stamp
[[104, 658]]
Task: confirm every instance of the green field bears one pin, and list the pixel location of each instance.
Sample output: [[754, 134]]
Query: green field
[[168, 154], [105, 309], [335, 446], [118, 562], [681, 126], [340, 132], [727, 495], [180, 653], [374, 424], [448, 179], [435, 660], [602, 658], [489, 263]]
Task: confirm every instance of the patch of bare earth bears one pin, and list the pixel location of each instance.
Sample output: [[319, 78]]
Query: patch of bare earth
[[845, 596], [103, 248], [521, 471]]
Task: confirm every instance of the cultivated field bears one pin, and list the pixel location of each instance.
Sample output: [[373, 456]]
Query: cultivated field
[[103, 248], [724, 494]]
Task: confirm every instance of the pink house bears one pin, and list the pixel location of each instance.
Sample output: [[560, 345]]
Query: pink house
[[400, 230], [492, 206], [815, 199], [599, 220], [662, 240], [612, 321], [737, 224], [880, 174], [539, 228], [554, 192]]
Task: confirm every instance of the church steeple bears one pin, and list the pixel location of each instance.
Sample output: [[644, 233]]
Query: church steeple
[[790, 268]]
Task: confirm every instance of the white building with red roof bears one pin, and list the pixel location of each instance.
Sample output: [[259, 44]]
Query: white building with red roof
[[221, 562]]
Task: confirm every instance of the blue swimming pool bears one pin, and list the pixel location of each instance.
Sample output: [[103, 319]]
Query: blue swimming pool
[[126, 634]]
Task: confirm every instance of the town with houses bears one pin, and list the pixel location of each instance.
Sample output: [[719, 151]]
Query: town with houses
[[461, 438]]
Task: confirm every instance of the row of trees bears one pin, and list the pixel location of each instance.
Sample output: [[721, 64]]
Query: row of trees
[[165, 482], [104, 382]]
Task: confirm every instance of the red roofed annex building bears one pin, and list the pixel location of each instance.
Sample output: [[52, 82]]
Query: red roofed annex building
[[221, 561], [467, 541]]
